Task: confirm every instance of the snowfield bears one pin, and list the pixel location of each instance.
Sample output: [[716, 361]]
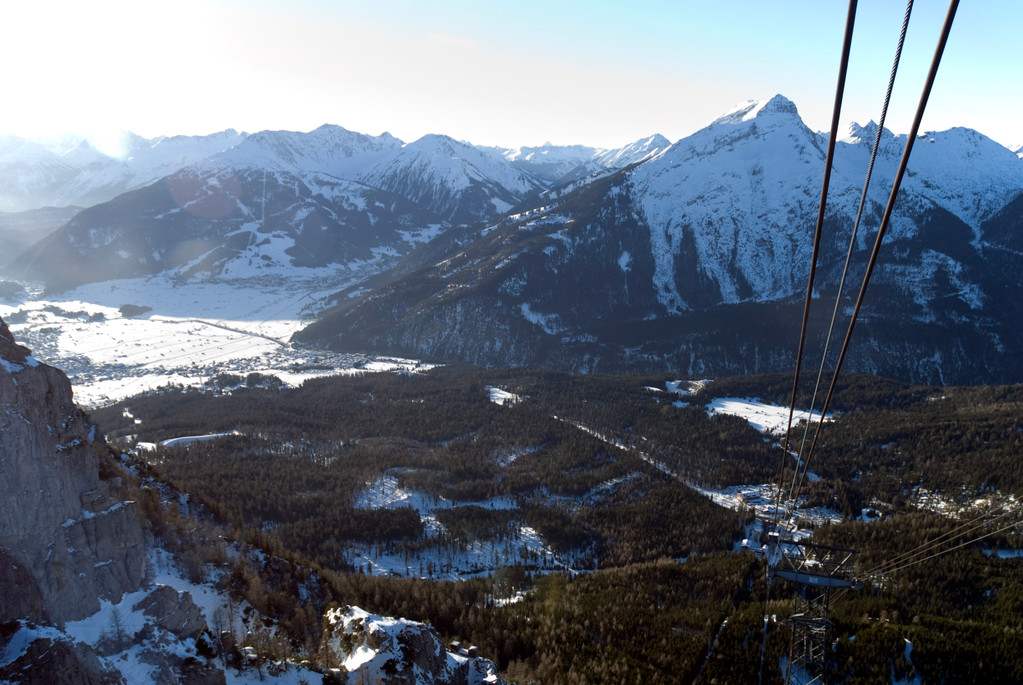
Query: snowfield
[[186, 334], [769, 419]]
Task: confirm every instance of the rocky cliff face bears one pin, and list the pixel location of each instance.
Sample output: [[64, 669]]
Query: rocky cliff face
[[66, 540], [69, 541]]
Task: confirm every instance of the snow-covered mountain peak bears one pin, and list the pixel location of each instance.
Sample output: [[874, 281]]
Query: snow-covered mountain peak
[[228, 136], [559, 164], [779, 105], [721, 191], [758, 132], [328, 149], [865, 134], [437, 144], [633, 152], [550, 153], [112, 145], [19, 150], [83, 154], [440, 164], [966, 172], [654, 141]]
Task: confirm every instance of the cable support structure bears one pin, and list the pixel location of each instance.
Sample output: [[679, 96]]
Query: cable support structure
[[835, 118]]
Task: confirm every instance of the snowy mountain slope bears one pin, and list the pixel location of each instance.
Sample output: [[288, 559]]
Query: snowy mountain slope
[[73, 171], [141, 162], [632, 153], [562, 163], [459, 182], [745, 190], [455, 181], [30, 174], [380, 649], [651, 265], [19, 230], [232, 223], [960, 169], [718, 191], [278, 200], [549, 162], [330, 150]]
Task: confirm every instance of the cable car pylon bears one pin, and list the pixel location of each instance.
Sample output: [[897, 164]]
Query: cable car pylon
[[816, 570]]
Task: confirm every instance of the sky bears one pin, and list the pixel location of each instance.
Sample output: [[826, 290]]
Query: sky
[[492, 72]]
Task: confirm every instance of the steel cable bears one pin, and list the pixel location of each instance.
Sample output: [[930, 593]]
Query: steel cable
[[856, 224], [818, 230], [885, 219]]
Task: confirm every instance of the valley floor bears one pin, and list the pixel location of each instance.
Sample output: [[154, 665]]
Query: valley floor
[[186, 334]]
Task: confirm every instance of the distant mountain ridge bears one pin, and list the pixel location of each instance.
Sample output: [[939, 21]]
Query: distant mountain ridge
[[696, 259], [687, 256], [74, 171], [277, 200], [558, 164]]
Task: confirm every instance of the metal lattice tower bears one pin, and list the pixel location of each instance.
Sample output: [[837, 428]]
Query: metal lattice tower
[[816, 570]]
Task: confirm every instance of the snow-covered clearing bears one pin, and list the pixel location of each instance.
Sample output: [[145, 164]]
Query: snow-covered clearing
[[966, 506], [445, 558], [769, 419], [501, 396], [190, 333]]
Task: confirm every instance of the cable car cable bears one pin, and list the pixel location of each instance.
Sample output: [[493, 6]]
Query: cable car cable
[[885, 220], [818, 230], [856, 224]]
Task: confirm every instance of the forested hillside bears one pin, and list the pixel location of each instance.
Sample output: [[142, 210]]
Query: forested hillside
[[636, 576]]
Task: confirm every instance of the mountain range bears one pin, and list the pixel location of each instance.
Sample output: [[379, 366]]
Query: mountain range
[[690, 256]]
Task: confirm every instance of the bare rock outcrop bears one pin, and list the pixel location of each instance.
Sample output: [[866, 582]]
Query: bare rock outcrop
[[66, 539], [395, 651], [58, 661], [173, 611], [10, 350]]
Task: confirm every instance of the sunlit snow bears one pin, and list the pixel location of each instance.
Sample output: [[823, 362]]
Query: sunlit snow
[[503, 397], [190, 333], [766, 418]]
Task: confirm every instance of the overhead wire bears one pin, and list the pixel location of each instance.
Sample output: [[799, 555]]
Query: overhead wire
[[909, 558], [885, 220], [856, 224], [963, 529], [818, 231], [819, 228], [952, 549]]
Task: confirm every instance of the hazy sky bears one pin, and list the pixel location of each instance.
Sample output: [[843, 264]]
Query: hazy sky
[[514, 72]]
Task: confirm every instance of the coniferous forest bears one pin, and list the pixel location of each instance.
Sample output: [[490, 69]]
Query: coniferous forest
[[641, 577]]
